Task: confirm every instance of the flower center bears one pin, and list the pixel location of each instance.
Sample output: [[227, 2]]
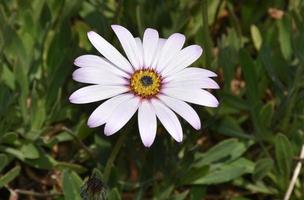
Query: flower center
[[145, 83]]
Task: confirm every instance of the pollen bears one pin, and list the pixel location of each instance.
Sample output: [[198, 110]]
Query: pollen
[[145, 83]]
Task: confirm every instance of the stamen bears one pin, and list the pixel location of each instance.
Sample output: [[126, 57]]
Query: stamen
[[146, 80], [145, 83]]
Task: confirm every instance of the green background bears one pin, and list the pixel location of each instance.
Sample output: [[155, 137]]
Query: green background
[[247, 148]]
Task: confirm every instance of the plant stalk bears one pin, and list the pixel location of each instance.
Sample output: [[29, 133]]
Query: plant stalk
[[206, 34], [113, 155]]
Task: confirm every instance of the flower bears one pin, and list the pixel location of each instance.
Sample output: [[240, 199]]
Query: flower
[[155, 81]]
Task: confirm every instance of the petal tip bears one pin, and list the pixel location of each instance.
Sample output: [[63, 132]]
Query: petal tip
[[107, 133], [90, 123], [178, 36], [108, 130], [197, 126], [216, 104], [199, 49], [147, 145], [213, 74], [116, 27], [74, 75], [72, 99], [76, 62], [151, 30], [179, 140], [181, 37], [91, 33]]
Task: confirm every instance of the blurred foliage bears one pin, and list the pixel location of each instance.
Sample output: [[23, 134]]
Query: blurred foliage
[[246, 148]]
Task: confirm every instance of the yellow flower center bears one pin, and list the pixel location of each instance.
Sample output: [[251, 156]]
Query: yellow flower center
[[145, 83]]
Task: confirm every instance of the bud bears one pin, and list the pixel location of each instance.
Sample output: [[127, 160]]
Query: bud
[[93, 188]]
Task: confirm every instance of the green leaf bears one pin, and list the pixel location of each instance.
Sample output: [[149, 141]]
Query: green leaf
[[29, 150], [250, 75], [213, 6], [23, 82], [81, 29], [114, 194], [82, 131], [228, 59], [163, 192], [197, 192], [38, 116], [9, 138], [44, 161], [3, 161], [298, 46], [179, 196], [256, 36], [61, 137], [256, 187], [58, 66], [240, 198], [268, 62], [230, 127], [285, 30], [6, 101], [72, 166], [226, 150], [193, 174], [266, 114], [14, 152], [262, 168], [227, 172], [9, 176], [283, 155], [71, 185], [8, 77]]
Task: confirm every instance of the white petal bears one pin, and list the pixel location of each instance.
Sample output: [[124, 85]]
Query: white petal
[[196, 96], [108, 51], [183, 59], [183, 109], [160, 45], [147, 123], [94, 93], [98, 75], [128, 43], [104, 111], [121, 115], [141, 51], [97, 61], [205, 83], [168, 119], [170, 49], [150, 43], [190, 72]]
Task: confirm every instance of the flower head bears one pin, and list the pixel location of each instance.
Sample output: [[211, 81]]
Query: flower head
[[155, 81]]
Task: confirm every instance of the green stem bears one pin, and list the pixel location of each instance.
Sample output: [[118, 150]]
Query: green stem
[[206, 34], [86, 149], [36, 194], [117, 12], [292, 96], [113, 155], [138, 19], [234, 20]]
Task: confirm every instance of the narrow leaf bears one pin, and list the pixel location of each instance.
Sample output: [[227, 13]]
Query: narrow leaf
[[256, 36], [9, 176]]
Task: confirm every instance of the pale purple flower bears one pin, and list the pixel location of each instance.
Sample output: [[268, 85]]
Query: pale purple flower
[[155, 81]]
